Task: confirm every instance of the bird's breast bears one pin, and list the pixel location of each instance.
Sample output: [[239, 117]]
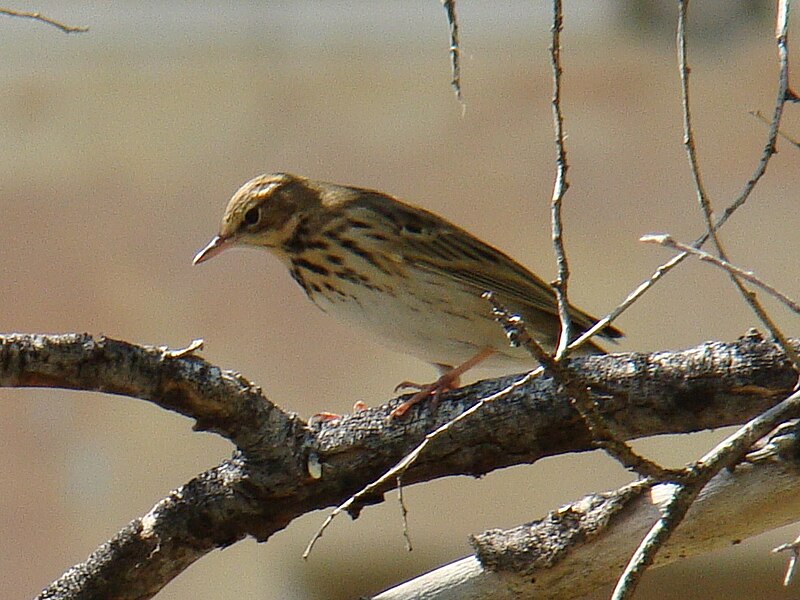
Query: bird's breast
[[415, 312]]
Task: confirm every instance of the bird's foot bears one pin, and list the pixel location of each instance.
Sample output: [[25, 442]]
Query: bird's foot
[[411, 385], [449, 380]]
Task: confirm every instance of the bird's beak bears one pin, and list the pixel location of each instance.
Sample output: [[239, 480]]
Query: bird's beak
[[214, 247]]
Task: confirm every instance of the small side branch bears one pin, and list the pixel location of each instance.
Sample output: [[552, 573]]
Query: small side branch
[[455, 48], [36, 16], [560, 185], [668, 241], [602, 436], [793, 141]]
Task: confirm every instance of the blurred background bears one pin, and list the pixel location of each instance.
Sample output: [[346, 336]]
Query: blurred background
[[121, 147]]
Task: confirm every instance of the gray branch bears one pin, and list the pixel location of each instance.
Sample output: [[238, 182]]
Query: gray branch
[[268, 483]]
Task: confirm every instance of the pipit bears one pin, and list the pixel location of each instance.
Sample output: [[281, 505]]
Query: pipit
[[406, 275]]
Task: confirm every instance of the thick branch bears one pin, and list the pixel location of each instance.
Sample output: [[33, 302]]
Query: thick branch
[[207, 513], [219, 401], [268, 483], [639, 395]]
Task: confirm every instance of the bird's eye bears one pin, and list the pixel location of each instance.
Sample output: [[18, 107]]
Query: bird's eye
[[252, 216]]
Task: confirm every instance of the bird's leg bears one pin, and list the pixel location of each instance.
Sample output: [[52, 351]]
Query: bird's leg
[[443, 370], [449, 380]]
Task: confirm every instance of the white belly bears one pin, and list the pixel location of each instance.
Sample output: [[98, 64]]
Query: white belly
[[431, 330]]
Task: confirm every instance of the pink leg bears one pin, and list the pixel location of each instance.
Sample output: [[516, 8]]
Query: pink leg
[[448, 381]]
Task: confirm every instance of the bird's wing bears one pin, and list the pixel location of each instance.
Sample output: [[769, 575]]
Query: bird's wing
[[428, 242]]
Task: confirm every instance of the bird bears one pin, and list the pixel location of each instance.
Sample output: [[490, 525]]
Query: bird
[[409, 277]]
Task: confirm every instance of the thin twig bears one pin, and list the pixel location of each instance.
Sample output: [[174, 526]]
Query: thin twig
[[560, 185], [190, 350], [455, 48], [794, 548], [705, 203], [40, 17], [702, 196], [602, 437], [518, 335], [688, 129], [783, 95], [668, 241], [732, 450], [404, 512], [514, 325], [409, 459], [757, 114]]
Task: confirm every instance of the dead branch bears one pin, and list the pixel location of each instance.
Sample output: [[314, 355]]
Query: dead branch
[[269, 480]]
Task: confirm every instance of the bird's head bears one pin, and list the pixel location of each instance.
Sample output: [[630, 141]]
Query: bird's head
[[264, 212]]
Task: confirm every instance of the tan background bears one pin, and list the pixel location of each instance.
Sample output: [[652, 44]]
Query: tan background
[[121, 147]]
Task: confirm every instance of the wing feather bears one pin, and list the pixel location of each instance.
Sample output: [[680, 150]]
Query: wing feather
[[428, 242]]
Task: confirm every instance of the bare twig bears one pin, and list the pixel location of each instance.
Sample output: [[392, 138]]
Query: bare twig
[[602, 436], [757, 114], [702, 196], [404, 512], [734, 448], [783, 95], [668, 241], [40, 17], [560, 185], [600, 432], [794, 549], [688, 130], [190, 350], [455, 48], [409, 459], [518, 335]]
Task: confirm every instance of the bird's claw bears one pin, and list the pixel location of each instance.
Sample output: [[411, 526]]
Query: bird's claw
[[445, 383], [410, 385]]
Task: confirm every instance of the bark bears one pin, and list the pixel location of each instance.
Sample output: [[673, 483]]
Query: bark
[[268, 482]]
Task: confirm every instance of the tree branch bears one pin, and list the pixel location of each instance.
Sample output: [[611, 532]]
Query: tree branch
[[270, 480], [581, 546]]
